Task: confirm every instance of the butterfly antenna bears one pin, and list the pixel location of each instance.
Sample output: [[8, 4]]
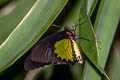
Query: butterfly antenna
[[54, 25], [78, 21]]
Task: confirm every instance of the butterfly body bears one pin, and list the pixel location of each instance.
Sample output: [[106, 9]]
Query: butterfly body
[[59, 48]]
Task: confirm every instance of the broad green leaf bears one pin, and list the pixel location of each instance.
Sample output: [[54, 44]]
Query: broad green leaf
[[88, 41], [91, 6], [13, 18], [105, 26], [109, 22], [89, 46], [113, 63], [29, 30]]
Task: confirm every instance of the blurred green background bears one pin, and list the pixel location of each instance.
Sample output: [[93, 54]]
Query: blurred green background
[[104, 16]]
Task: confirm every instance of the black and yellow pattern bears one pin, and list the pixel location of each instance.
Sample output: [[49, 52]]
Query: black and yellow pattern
[[63, 49], [66, 48], [77, 52], [59, 48]]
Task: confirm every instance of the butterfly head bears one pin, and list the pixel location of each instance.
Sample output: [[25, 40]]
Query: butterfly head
[[69, 33]]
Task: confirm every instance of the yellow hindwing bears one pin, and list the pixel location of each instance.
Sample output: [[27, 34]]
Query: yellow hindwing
[[63, 49]]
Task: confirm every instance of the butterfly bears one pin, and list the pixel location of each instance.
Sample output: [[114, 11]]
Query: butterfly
[[59, 48]]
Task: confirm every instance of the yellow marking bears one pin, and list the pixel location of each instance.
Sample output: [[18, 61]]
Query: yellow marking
[[63, 49], [77, 52]]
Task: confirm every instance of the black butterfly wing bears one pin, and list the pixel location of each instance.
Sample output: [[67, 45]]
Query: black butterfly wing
[[42, 53], [29, 64], [43, 50]]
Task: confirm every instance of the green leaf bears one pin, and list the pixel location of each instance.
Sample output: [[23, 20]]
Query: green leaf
[[113, 63], [89, 46], [88, 41], [107, 21], [91, 6], [13, 18], [29, 30], [105, 26]]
